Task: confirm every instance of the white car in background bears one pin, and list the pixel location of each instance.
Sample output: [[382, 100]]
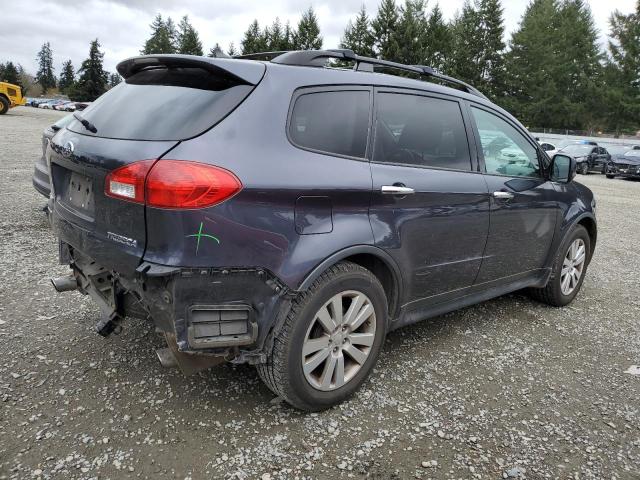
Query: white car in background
[[65, 107]]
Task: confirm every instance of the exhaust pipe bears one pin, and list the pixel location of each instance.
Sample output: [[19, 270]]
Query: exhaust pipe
[[167, 360], [65, 284]]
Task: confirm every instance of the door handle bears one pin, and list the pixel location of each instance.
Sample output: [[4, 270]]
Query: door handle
[[396, 190], [503, 195]]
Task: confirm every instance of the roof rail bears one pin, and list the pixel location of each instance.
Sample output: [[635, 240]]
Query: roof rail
[[261, 55], [318, 58]]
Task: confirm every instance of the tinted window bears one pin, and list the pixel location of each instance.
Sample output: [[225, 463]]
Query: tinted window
[[333, 122], [424, 131], [506, 151], [163, 104]]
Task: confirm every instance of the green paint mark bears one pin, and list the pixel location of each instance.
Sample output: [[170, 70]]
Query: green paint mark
[[200, 235]]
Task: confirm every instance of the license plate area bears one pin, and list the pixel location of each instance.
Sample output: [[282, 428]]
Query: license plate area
[[76, 193]]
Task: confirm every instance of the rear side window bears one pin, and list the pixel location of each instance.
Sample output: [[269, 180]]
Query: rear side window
[[163, 104], [421, 131], [335, 122]]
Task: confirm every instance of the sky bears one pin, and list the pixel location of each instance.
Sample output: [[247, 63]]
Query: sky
[[122, 26]]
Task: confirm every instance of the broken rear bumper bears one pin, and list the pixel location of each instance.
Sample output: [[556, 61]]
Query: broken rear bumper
[[226, 312]]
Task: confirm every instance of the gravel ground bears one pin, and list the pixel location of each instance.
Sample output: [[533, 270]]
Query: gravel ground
[[508, 388]]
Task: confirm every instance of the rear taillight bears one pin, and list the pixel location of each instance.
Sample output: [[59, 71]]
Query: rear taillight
[[172, 184], [128, 182]]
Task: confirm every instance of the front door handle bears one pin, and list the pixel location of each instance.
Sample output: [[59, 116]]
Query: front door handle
[[396, 190], [503, 195]]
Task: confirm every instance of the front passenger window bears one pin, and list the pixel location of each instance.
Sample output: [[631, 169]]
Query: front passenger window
[[506, 150]]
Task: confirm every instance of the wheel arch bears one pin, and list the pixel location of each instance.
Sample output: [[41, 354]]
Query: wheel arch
[[589, 223], [372, 258]]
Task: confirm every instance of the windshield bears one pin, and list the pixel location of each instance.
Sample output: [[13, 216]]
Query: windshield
[[633, 153], [577, 149]]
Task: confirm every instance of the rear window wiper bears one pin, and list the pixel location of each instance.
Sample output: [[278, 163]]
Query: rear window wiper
[[85, 123]]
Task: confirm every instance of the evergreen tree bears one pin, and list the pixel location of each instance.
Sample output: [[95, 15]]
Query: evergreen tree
[[468, 46], [188, 39], [92, 79], [438, 41], [358, 35], [67, 77], [162, 39], [114, 79], [45, 76], [289, 37], [554, 70], [274, 36], [254, 40], [174, 35], [581, 59], [411, 32], [385, 26], [217, 52], [308, 36], [492, 71], [232, 50], [9, 73], [622, 71]]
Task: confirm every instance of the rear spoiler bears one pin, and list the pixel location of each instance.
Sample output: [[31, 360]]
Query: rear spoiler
[[247, 72]]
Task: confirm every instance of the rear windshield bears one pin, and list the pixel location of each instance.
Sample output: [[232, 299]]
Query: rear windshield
[[163, 104]]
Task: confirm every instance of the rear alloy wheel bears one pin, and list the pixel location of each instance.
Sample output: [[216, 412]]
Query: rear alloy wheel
[[330, 339], [338, 340], [569, 269], [4, 105]]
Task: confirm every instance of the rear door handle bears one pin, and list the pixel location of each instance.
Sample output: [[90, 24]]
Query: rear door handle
[[396, 190], [503, 195]]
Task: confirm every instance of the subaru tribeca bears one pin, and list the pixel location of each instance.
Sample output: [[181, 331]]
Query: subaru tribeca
[[278, 211]]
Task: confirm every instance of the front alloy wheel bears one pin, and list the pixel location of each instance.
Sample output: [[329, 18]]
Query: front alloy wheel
[[573, 266], [568, 270], [338, 340]]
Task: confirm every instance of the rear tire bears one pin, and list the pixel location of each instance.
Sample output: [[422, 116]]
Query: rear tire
[[610, 176], [349, 353], [4, 105], [557, 293]]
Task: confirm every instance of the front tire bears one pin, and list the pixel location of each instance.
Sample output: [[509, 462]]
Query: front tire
[[569, 270], [610, 176], [584, 168], [4, 105], [330, 339]]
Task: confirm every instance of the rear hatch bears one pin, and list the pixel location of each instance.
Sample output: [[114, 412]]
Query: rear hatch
[[163, 100]]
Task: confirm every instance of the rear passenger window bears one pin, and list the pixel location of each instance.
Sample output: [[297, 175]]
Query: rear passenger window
[[332, 122], [421, 131]]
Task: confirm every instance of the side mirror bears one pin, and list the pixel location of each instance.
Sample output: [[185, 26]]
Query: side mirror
[[563, 168]]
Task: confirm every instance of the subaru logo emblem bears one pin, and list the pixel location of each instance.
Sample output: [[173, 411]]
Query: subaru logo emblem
[[67, 149]]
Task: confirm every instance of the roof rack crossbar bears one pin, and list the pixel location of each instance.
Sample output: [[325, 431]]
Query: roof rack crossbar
[[317, 58]]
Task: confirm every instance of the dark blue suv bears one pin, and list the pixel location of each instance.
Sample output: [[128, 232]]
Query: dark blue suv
[[278, 211]]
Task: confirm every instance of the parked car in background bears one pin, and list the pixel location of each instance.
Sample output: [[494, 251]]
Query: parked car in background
[[588, 158], [289, 217], [625, 165], [49, 104], [40, 177], [82, 105], [66, 106], [547, 147]]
